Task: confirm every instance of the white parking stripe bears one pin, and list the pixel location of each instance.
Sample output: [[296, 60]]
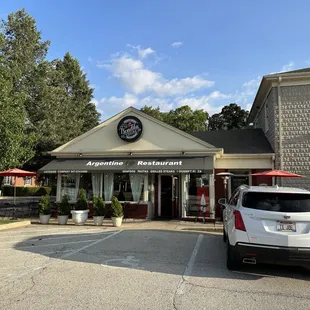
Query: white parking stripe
[[189, 268], [61, 257]]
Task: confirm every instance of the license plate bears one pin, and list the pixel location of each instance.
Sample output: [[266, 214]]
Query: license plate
[[286, 226]]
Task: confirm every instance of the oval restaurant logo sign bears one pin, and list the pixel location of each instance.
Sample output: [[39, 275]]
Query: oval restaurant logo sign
[[129, 128]]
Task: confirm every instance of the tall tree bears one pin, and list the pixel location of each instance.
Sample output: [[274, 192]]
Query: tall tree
[[231, 117], [77, 87], [54, 98], [183, 118], [23, 48], [154, 112], [186, 119], [16, 142]]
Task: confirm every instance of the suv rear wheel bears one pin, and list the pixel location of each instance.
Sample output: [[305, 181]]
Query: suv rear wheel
[[233, 262]]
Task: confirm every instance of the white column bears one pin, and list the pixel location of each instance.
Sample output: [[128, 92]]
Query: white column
[[58, 188], [184, 191], [146, 188], [212, 195], [101, 184]]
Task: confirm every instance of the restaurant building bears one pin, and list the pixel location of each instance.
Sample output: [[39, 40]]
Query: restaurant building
[[155, 169]]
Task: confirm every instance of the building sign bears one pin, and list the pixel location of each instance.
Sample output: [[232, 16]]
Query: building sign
[[158, 165], [130, 129]]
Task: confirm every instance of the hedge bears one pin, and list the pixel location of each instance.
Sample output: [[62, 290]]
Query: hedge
[[27, 191]]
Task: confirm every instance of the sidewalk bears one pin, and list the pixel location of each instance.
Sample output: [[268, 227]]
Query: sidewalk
[[148, 225]]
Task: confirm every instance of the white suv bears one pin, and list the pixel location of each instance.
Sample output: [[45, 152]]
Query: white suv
[[267, 224]]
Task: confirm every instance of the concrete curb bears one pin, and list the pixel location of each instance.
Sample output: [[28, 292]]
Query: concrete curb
[[15, 225]]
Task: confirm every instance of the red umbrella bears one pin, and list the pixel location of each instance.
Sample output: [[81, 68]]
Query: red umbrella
[[278, 173], [17, 173]]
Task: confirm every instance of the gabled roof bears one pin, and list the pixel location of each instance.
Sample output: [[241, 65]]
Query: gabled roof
[[266, 82], [241, 141], [158, 137]]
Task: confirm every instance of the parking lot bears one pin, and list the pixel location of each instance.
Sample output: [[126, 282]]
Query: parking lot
[[51, 267]]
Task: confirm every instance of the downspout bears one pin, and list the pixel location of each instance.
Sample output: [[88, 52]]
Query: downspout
[[280, 124]]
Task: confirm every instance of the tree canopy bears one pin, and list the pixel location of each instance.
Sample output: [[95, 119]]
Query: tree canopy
[[43, 103], [184, 118], [231, 117]]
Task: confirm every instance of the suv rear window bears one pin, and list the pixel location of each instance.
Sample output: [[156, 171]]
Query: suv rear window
[[277, 202]]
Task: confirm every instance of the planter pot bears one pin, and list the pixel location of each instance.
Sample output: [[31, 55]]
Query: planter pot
[[44, 219], [98, 220], [62, 219], [79, 217], [117, 221]]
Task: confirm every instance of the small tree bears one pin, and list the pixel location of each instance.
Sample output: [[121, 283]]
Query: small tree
[[81, 203], [64, 207], [116, 208], [99, 206], [45, 205]]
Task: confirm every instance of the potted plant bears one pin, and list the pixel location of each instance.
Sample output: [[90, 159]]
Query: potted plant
[[116, 212], [99, 210], [80, 212], [45, 209], [63, 210]]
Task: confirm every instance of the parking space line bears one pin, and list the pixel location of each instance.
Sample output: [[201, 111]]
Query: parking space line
[[188, 269], [63, 256]]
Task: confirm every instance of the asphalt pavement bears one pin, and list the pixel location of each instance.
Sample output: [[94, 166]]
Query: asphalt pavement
[[69, 267]]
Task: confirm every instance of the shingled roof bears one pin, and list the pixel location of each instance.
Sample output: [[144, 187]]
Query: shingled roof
[[243, 141]]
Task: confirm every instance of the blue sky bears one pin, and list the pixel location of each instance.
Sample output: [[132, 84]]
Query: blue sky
[[168, 53]]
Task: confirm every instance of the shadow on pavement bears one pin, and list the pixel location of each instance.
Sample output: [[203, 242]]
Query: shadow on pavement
[[160, 251]]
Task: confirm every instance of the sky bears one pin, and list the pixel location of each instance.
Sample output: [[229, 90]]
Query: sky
[[170, 53]]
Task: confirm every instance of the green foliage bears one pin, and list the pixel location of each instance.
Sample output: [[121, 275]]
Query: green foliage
[[116, 208], [45, 205], [231, 117], [99, 206], [81, 203], [27, 191], [43, 104], [183, 118], [64, 207]]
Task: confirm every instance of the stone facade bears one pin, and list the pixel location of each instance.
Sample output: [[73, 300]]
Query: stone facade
[[295, 109]]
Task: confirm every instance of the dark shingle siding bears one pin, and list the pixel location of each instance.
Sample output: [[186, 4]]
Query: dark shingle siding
[[244, 141]]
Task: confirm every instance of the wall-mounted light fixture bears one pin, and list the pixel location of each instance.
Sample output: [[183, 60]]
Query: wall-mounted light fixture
[[130, 153], [80, 154], [183, 153]]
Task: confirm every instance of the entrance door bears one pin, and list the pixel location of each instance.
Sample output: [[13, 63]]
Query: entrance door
[[169, 196]]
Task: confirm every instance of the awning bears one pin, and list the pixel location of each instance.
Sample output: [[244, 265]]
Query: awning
[[158, 165]]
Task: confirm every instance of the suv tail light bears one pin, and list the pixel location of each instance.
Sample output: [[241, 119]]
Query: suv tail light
[[239, 224]]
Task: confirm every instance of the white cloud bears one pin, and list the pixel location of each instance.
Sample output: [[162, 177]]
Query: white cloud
[[120, 102], [208, 102], [90, 59], [143, 53], [176, 44], [138, 79], [307, 62], [288, 67], [95, 102], [251, 87]]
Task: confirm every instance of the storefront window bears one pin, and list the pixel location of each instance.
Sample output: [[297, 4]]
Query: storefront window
[[86, 184], [240, 177], [198, 194], [128, 187], [70, 184]]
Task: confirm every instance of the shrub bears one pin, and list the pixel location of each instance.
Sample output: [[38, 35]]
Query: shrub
[[81, 203], [26, 191], [64, 207], [99, 206], [116, 208], [45, 205]]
